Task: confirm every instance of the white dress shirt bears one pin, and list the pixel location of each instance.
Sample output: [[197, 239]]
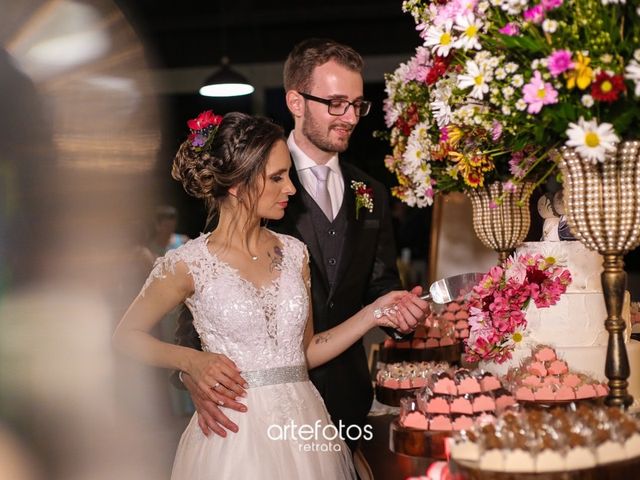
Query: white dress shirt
[[303, 164]]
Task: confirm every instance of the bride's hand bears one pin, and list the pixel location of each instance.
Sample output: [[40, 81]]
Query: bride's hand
[[401, 310], [217, 376]]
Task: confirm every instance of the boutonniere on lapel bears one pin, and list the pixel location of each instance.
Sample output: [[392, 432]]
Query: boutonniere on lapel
[[364, 196]]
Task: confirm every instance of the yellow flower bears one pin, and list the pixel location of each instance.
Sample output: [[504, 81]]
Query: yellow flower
[[582, 73], [454, 135], [474, 179]]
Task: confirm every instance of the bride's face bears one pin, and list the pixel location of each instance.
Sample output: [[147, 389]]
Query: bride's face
[[277, 188]]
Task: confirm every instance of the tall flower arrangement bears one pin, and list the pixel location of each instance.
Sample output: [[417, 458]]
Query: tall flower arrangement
[[497, 305], [496, 84]]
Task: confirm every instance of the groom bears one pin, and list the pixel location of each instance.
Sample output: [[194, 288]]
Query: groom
[[353, 256]]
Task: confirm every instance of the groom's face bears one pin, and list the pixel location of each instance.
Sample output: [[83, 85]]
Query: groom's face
[[328, 132]]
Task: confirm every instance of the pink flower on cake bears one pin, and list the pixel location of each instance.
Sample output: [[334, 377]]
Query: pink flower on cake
[[497, 319]]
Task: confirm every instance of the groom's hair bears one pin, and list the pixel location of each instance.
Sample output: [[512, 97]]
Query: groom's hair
[[313, 52]]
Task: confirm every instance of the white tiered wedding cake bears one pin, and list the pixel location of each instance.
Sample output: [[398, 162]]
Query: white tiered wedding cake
[[575, 325]]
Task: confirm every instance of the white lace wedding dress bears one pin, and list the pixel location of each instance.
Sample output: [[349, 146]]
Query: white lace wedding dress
[[261, 330]]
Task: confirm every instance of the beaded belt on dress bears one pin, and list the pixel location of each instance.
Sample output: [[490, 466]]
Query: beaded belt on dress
[[274, 376]]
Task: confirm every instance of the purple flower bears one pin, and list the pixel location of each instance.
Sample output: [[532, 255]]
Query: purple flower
[[534, 14], [509, 186], [496, 130], [493, 204], [559, 61], [538, 93], [198, 140], [444, 134], [515, 166], [510, 29], [551, 4]]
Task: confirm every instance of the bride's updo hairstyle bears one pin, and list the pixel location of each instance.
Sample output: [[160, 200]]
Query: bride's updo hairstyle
[[225, 152]]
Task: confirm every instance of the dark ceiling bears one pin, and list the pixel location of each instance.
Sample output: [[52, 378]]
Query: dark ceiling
[[190, 33]]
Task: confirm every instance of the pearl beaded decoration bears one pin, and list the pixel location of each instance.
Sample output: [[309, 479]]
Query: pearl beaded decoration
[[505, 226], [603, 200]]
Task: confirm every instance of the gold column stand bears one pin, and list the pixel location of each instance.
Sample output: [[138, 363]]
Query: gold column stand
[[614, 284]]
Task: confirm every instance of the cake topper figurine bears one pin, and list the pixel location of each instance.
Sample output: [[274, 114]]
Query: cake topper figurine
[[551, 209]]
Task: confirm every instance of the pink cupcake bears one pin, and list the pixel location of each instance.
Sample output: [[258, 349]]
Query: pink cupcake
[[558, 367], [545, 354]]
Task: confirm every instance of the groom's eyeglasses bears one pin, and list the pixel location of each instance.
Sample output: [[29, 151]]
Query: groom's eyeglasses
[[339, 106]]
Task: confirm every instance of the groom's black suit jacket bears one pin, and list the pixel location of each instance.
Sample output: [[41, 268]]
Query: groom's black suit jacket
[[366, 270]]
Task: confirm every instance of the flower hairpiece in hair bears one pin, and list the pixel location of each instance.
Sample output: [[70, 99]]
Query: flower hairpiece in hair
[[364, 196], [203, 129]]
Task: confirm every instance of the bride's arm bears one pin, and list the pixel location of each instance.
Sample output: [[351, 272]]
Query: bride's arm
[[133, 337], [324, 346]]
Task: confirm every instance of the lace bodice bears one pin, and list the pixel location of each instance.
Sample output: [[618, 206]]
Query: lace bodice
[[257, 328]]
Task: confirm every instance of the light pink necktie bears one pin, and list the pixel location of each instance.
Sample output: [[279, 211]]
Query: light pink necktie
[[322, 197]]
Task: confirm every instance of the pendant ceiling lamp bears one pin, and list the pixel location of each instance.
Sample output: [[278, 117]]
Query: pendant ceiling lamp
[[226, 83]]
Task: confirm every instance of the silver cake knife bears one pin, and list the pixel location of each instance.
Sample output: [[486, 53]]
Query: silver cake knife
[[442, 291]]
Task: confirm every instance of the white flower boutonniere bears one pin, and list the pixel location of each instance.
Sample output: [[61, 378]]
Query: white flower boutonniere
[[364, 196]]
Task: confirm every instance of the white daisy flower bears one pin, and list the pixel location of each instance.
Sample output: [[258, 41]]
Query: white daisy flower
[[470, 27], [535, 64], [636, 53], [632, 72], [483, 7], [517, 339], [549, 26], [511, 67], [606, 58], [517, 81], [494, 62], [592, 141], [500, 73], [513, 7], [439, 38], [521, 105], [587, 100], [476, 78], [442, 112], [506, 110], [508, 91]]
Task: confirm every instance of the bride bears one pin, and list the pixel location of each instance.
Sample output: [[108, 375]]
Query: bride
[[248, 290]]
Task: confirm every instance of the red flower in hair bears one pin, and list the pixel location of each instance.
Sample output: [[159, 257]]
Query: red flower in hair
[[205, 120]]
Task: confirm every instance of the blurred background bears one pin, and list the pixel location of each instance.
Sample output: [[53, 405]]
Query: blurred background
[[94, 99]]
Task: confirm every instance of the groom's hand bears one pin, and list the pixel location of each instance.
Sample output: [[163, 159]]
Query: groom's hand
[[414, 311], [210, 416]]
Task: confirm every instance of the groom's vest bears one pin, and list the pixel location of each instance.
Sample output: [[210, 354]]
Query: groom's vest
[[330, 235]]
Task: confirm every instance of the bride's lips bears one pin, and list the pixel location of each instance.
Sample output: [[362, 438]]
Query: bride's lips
[[283, 204]]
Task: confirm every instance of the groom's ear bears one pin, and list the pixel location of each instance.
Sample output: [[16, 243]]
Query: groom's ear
[[295, 103]]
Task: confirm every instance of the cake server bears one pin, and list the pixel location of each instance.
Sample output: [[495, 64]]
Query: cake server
[[448, 289], [442, 291]]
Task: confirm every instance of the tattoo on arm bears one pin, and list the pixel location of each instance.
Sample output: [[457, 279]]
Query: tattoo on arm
[[322, 338], [276, 259]]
